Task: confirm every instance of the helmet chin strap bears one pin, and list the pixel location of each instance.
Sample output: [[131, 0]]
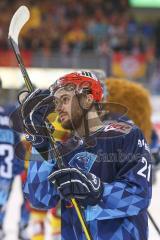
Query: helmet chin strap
[[85, 117], [86, 124]]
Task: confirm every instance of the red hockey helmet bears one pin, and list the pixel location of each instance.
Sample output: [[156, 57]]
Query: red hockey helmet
[[80, 81]]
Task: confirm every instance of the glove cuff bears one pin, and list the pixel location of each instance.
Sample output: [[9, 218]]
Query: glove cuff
[[95, 198], [40, 143]]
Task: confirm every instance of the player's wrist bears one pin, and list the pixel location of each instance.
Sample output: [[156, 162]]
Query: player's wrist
[[40, 143], [95, 196]]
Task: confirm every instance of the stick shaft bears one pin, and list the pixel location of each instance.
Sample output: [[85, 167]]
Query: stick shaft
[[154, 223], [81, 219], [21, 65]]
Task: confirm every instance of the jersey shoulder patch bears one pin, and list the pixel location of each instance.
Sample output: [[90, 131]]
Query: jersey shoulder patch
[[118, 126]]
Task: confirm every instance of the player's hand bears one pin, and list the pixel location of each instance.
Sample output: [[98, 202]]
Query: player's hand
[[73, 183], [35, 107]]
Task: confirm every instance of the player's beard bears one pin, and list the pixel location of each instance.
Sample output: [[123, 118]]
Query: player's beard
[[76, 117], [74, 123]]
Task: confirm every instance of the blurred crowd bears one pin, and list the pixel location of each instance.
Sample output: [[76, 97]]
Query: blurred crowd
[[72, 25], [80, 34]]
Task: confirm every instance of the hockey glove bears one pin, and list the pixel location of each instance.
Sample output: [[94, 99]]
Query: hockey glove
[[71, 182], [34, 111]]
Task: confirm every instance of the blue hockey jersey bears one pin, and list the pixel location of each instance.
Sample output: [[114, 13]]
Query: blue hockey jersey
[[119, 155], [10, 165]]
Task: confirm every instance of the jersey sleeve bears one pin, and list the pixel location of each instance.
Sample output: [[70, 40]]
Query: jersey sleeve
[[40, 192], [130, 192], [18, 160]]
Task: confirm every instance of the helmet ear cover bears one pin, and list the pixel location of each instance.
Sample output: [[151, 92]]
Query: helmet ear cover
[[85, 101]]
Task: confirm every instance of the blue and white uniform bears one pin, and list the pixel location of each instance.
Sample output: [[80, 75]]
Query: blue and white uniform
[[120, 157], [10, 165]]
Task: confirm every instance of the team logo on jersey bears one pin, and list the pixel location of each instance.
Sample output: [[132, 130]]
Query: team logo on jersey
[[83, 161], [118, 126]]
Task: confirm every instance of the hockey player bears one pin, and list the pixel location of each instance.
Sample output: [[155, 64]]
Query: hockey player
[[107, 165], [10, 165]]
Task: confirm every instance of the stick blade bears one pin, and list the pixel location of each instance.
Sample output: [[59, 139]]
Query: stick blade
[[18, 20]]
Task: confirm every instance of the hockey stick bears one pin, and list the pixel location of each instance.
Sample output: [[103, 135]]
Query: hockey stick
[[154, 223], [18, 20]]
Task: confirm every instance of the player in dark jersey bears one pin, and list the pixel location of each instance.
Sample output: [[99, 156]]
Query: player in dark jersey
[[107, 165], [10, 165]]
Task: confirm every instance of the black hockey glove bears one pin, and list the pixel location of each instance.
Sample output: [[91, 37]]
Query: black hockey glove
[[34, 109], [71, 182]]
